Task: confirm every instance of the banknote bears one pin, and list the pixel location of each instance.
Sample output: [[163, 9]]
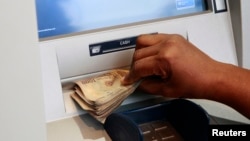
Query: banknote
[[102, 94]]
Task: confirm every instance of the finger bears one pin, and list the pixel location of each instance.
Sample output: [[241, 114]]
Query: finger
[[152, 86], [158, 86], [139, 70], [145, 52], [147, 40], [149, 66]]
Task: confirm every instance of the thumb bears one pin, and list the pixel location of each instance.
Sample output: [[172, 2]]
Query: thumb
[[127, 79]]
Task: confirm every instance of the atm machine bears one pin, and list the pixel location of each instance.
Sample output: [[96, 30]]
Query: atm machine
[[80, 39]]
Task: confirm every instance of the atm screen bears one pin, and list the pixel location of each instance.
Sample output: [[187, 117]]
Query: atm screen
[[63, 17]]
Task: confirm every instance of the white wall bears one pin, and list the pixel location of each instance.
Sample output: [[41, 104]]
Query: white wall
[[21, 100], [240, 13], [245, 5]]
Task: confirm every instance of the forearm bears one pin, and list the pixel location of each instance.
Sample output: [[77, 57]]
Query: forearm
[[231, 86]]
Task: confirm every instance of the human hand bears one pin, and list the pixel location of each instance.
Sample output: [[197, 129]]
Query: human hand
[[171, 66]]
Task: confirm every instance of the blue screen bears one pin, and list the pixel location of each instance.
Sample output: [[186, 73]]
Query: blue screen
[[60, 17]]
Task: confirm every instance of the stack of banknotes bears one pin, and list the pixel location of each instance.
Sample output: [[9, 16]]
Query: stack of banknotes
[[102, 94]]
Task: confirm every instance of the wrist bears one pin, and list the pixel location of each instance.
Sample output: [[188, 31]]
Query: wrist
[[220, 81]]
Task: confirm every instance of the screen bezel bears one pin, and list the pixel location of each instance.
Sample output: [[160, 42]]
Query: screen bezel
[[207, 5]]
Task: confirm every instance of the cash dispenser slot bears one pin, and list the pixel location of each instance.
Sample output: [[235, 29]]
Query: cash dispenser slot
[[107, 55]]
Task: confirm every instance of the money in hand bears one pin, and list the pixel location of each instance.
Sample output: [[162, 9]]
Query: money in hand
[[102, 94]]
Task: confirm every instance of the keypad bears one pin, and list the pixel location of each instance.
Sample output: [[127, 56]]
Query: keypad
[[159, 131]]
